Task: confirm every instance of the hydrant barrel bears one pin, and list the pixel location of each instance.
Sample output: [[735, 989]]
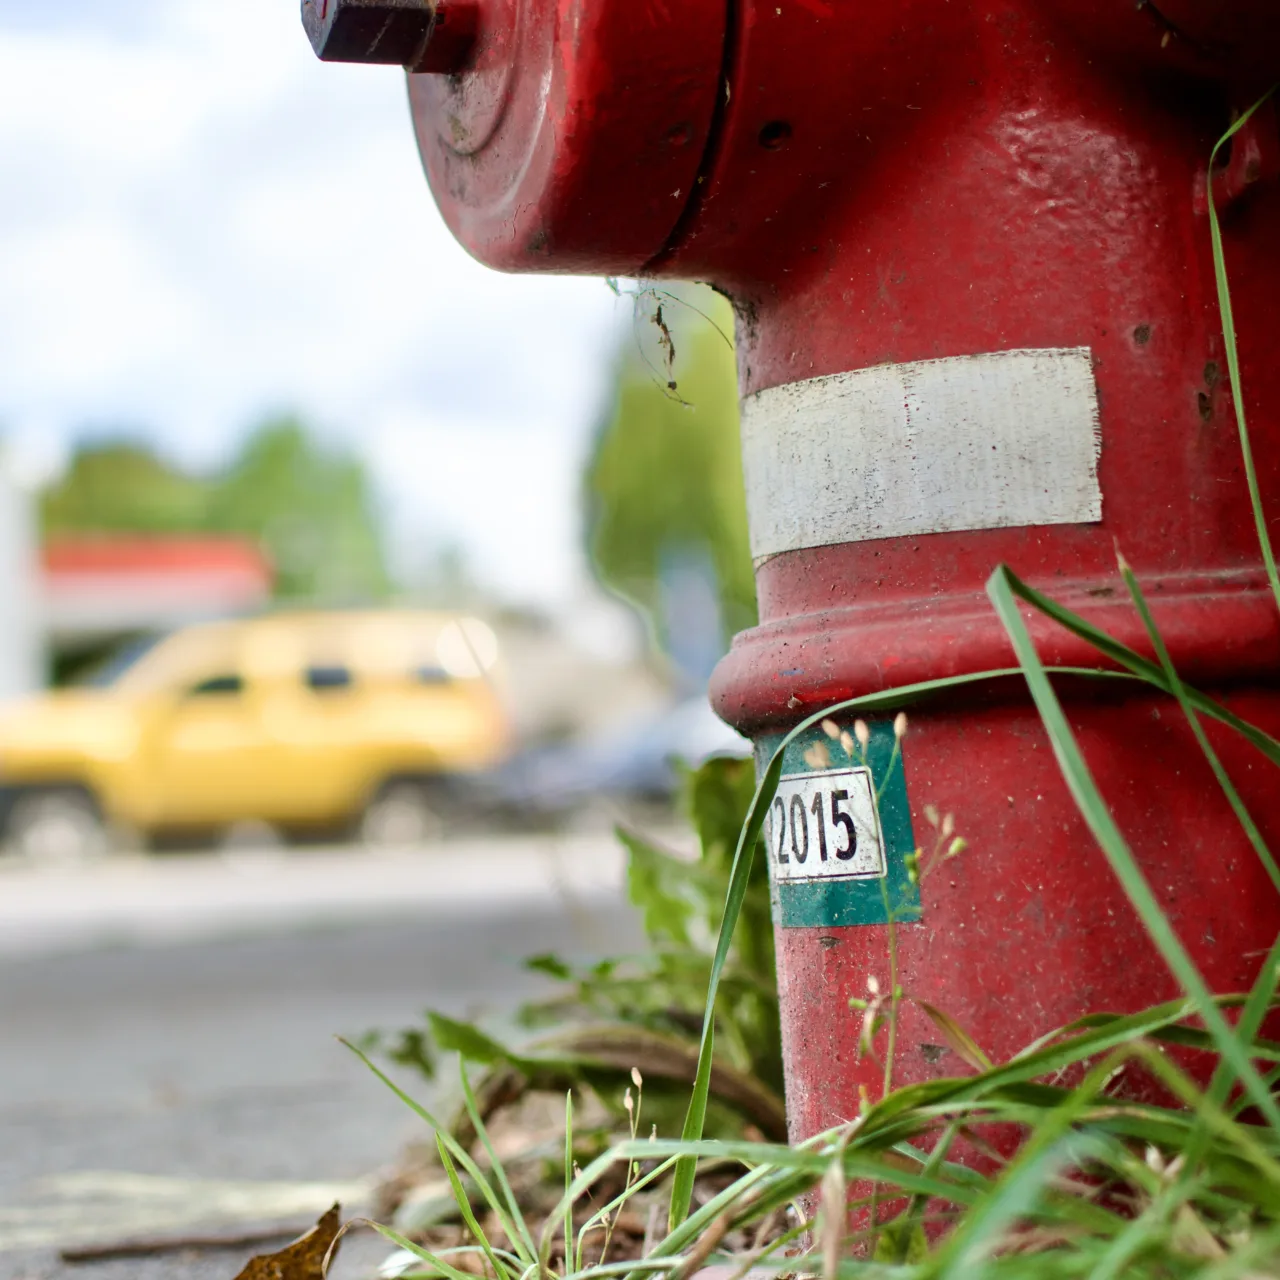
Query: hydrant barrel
[[968, 248]]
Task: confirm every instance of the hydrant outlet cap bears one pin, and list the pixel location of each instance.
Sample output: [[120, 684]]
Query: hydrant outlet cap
[[389, 32], [574, 139]]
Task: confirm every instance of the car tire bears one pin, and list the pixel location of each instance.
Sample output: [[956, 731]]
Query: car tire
[[56, 827], [403, 814]]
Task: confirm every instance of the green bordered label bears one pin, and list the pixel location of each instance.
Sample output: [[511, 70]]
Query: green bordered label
[[838, 837]]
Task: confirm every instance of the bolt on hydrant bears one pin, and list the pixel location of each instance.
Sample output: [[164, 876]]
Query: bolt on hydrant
[[967, 244]]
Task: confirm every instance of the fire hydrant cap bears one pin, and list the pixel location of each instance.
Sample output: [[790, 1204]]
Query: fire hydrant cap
[[574, 139]]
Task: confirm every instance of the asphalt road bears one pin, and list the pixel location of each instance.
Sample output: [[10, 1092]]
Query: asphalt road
[[167, 1060]]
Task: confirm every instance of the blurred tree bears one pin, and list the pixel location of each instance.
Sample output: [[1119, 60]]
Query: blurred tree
[[310, 509], [663, 484], [123, 487]]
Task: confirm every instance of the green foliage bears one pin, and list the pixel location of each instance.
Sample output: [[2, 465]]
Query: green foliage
[[1105, 1184], [452, 1036], [1101, 1187], [121, 487], [309, 508], [665, 474], [681, 904], [646, 1010]]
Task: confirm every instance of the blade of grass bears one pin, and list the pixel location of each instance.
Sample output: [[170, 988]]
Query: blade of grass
[[628, 1266], [1137, 665], [739, 875], [602, 1214], [1233, 359], [860, 1165], [522, 1243], [1050, 1149], [432, 1259], [1101, 1034], [568, 1140], [464, 1207], [914, 1212], [458, 1251], [1093, 809], [962, 1044], [1242, 1103], [1244, 1138], [1264, 987], [1154, 1019], [1194, 1038], [459, 1153], [548, 1234]]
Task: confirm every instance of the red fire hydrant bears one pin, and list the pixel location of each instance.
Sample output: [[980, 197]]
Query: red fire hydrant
[[967, 245]]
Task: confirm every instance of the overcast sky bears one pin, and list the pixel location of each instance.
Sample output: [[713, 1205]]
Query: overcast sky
[[200, 224]]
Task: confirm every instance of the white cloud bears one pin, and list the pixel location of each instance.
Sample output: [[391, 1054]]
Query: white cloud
[[203, 224], [513, 485]]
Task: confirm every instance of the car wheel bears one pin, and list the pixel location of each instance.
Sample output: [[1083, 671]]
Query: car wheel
[[401, 815], [59, 827]]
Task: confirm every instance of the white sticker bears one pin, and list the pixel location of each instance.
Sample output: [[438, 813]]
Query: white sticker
[[970, 442], [824, 826]]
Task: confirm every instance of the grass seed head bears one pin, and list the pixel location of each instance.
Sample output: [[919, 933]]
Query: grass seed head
[[862, 733], [818, 757], [636, 1078], [900, 725], [831, 729]]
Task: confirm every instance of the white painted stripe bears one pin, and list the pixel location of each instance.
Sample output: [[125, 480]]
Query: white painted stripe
[[970, 442]]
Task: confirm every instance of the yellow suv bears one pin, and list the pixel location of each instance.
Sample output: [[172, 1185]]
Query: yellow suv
[[315, 721]]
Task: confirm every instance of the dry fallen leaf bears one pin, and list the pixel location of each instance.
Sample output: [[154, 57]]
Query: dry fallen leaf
[[301, 1260]]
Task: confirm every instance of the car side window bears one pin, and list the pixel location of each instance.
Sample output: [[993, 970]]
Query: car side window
[[325, 679], [219, 685]]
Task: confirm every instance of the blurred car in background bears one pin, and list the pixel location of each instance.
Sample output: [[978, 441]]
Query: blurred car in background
[[634, 762], [313, 722]]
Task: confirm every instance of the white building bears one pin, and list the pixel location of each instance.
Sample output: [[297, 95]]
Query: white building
[[22, 652]]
